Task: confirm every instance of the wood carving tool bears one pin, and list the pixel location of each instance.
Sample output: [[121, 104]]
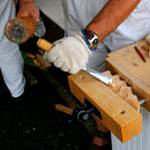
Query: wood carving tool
[[103, 78], [46, 46]]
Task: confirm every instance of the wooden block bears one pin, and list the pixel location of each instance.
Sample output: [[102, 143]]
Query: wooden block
[[128, 64], [118, 116]]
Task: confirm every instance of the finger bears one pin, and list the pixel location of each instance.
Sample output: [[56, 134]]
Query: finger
[[53, 54], [64, 68], [35, 14], [22, 14], [58, 63], [74, 70]]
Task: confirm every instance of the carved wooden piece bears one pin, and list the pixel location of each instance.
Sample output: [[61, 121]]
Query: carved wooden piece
[[123, 90]]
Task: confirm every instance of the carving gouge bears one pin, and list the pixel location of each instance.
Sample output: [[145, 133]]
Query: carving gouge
[[103, 78]]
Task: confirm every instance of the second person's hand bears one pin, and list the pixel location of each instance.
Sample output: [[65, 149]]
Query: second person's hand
[[28, 8]]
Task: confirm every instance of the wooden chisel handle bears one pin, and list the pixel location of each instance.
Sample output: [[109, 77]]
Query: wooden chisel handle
[[64, 109], [44, 45], [20, 29]]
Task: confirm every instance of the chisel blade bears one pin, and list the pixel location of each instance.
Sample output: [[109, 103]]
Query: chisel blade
[[103, 78]]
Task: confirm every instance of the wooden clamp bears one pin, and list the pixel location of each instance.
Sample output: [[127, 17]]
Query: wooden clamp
[[117, 115]]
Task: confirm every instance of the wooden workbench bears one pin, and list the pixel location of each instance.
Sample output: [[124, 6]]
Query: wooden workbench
[[127, 63]]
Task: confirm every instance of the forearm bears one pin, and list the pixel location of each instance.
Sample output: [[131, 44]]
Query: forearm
[[25, 1], [111, 16], [28, 8]]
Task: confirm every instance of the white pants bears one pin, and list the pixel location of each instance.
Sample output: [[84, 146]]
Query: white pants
[[11, 62]]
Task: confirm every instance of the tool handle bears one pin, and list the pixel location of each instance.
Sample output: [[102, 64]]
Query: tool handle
[[20, 29], [44, 45], [64, 109]]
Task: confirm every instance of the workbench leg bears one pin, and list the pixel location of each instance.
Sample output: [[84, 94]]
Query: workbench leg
[[140, 142]]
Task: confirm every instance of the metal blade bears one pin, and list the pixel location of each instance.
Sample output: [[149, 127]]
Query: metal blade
[[103, 78]]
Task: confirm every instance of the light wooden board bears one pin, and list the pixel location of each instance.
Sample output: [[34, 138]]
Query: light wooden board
[[127, 63], [118, 116]]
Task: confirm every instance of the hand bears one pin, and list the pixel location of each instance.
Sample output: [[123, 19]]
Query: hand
[[147, 39], [69, 54], [28, 8]]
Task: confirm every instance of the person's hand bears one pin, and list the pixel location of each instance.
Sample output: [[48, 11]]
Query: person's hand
[[28, 8], [147, 39], [147, 46], [70, 54]]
